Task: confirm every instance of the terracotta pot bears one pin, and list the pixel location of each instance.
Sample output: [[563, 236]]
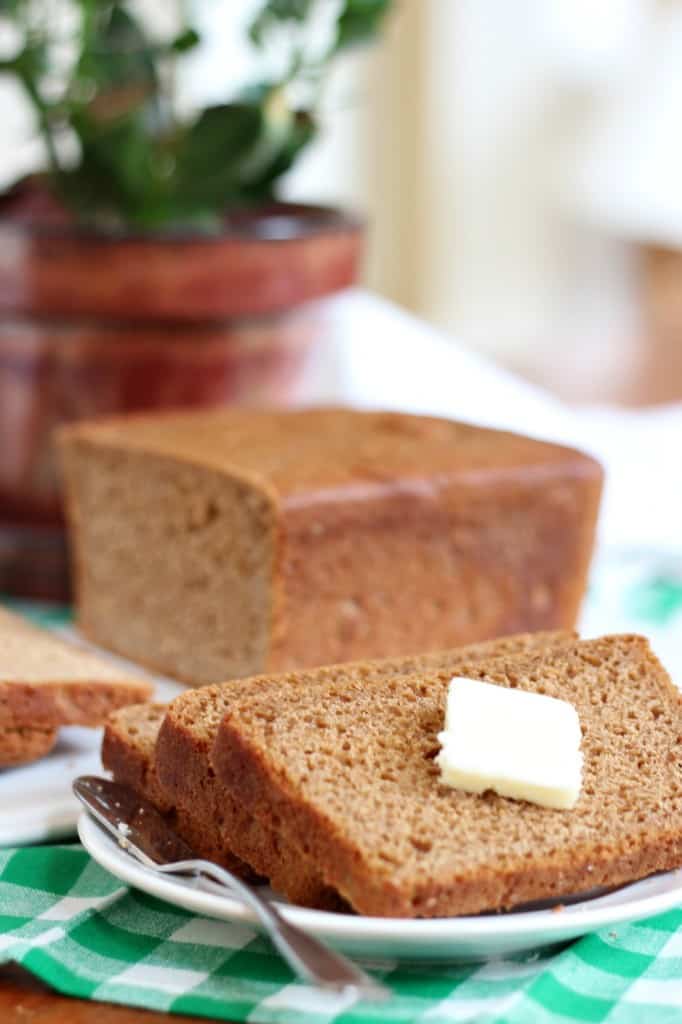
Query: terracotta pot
[[92, 325]]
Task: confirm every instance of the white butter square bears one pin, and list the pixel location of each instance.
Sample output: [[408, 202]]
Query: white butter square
[[521, 745]]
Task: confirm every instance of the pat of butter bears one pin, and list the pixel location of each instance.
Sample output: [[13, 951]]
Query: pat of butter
[[519, 744]]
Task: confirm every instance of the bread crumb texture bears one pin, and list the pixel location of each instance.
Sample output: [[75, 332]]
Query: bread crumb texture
[[345, 771]]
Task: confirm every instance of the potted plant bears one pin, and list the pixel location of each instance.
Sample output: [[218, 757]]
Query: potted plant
[[148, 263]]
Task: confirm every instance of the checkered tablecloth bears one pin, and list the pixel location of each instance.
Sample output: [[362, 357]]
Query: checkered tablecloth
[[79, 929]]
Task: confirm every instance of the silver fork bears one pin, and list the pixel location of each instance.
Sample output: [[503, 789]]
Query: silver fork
[[142, 832]]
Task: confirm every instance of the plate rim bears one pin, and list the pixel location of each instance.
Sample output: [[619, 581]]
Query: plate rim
[[583, 917]]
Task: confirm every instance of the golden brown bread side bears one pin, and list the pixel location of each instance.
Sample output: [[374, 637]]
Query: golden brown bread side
[[128, 750], [23, 744], [346, 773], [129, 753], [274, 540], [46, 682], [188, 733]]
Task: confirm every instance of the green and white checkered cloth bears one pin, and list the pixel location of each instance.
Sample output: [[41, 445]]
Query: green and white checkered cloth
[[78, 928]]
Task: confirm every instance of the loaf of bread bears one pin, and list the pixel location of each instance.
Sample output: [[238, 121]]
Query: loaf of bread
[[183, 767], [46, 682], [345, 773], [228, 543]]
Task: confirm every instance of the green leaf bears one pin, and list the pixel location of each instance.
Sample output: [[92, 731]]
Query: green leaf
[[212, 152], [114, 170], [277, 116], [301, 132], [187, 40], [115, 51], [359, 22]]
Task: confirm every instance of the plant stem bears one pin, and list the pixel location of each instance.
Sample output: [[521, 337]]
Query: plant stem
[[30, 87], [43, 122]]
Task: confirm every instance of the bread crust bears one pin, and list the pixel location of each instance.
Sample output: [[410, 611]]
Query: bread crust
[[133, 763], [623, 849], [66, 702], [23, 744], [129, 758], [185, 774]]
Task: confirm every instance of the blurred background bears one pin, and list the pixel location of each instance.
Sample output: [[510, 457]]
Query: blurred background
[[520, 168]]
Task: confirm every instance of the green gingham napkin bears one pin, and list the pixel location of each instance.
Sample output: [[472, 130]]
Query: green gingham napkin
[[75, 926]]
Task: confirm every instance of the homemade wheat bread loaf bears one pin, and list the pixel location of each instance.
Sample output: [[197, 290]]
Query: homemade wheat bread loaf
[[23, 744], [187, 779], [345, 772], [226, 543], [46, 682]]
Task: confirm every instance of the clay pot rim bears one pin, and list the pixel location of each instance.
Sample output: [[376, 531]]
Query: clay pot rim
[[271, 222]]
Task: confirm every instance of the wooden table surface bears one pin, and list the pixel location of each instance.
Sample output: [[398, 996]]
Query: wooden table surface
[[25, 1000]]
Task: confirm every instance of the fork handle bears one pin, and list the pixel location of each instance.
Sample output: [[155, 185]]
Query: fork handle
[[309, 958]]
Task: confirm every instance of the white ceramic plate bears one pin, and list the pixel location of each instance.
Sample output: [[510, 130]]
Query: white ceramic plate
[[36, 802], [376, 938]]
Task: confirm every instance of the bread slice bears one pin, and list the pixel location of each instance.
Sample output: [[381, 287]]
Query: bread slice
[[128, 752], [46, 682], [188, 733], [346, 774], [23, 744]]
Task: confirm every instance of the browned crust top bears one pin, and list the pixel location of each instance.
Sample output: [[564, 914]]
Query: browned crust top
[[342, 453]]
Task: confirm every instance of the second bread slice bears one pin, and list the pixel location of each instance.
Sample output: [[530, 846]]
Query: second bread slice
[[346, 773]]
